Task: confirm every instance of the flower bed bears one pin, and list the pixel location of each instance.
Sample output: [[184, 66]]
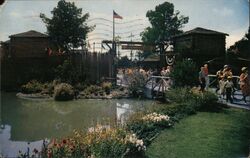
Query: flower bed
[[98, 142]]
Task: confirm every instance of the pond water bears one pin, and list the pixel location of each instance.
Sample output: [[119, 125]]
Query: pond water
[[25, 123]]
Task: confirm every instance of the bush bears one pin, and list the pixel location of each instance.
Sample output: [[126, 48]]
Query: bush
[[107, 87], [93, 89], [136, 83], [209, 102], [67, 72], [185, 101], [32, 87], [148, 126], [63, 92], [184, 73], [48, 88], [80, 86], [179, 95]]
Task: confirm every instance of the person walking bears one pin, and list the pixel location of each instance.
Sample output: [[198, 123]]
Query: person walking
[[229, 86], [205, 69], [244, 83], [202, 79], [219, 77]]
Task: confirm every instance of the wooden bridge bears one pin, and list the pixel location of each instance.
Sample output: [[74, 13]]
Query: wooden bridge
[[156, 86]]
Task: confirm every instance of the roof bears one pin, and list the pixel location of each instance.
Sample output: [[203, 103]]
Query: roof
[[199, 30], [30, 33], [6, 42], [152, 58]]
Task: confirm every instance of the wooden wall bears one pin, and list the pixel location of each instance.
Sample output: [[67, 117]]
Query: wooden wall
[[16, 71], [24, 47]]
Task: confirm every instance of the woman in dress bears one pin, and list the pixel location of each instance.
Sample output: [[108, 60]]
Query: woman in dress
[[244, 83]]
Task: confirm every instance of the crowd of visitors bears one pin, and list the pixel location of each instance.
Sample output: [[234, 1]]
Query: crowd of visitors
[[225, 85], [165, 71]]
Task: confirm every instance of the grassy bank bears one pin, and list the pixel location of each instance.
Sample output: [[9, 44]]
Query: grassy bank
[[209, 135]]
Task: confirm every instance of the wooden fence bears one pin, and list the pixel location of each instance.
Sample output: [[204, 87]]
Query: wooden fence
[[17, 71]]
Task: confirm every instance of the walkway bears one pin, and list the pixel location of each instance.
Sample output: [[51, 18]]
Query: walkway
[[237, 100]]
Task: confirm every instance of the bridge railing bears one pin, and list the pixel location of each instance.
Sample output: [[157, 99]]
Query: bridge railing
[[235, 79]]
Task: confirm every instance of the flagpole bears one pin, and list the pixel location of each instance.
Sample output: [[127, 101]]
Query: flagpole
[[113, 33]]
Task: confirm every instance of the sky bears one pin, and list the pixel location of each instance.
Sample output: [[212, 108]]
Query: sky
[[228, 16]]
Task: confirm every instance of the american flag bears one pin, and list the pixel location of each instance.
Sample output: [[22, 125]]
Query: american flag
[[115, 15]]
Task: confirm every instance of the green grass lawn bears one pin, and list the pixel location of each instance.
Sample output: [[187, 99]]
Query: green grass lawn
[[205, 135]]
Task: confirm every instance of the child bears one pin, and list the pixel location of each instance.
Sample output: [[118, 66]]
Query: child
[[229, 88]]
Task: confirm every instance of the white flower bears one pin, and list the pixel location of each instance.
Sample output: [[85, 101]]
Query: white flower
[[154, 117]]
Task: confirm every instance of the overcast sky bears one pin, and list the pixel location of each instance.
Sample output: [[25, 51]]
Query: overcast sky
[[228, 16]]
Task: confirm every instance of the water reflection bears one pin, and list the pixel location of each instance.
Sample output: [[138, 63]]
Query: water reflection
[[33, 120], [11, 148]]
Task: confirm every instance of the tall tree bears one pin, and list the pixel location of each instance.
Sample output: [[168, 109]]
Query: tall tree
[[165, 23], [241, 48], [67, 27]]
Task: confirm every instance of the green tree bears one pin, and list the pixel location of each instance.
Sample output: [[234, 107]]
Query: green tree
[[124, 62], [67, 27], [241, 48], [185, 73], [165, 23]]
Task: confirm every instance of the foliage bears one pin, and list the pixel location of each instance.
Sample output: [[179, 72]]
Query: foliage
[[136, 83], [209, 102], [80, 86], [107, 87], [93, 89], [184, 73], [99, 142], [48, 88], [165, 23], [67, 16], [241, 48], [32, 87], [63, 92], [124, 62], [67, 72], [148, 126]]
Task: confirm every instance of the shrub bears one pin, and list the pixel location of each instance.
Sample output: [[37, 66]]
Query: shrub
[[107, 87], [185, 101], [67, 72], [179, 95], [136, 83], [32, 87], [48, 88], [184, 73], [209, 102], [148, 126], [63, 92], [80, 86]]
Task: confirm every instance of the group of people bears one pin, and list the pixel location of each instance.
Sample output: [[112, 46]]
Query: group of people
[[165, 71], [226, 85]]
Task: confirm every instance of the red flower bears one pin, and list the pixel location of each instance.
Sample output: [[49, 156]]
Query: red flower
[[64, 141], [49, 154]]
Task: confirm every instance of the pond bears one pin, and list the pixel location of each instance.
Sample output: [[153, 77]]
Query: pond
[[25, 123]]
